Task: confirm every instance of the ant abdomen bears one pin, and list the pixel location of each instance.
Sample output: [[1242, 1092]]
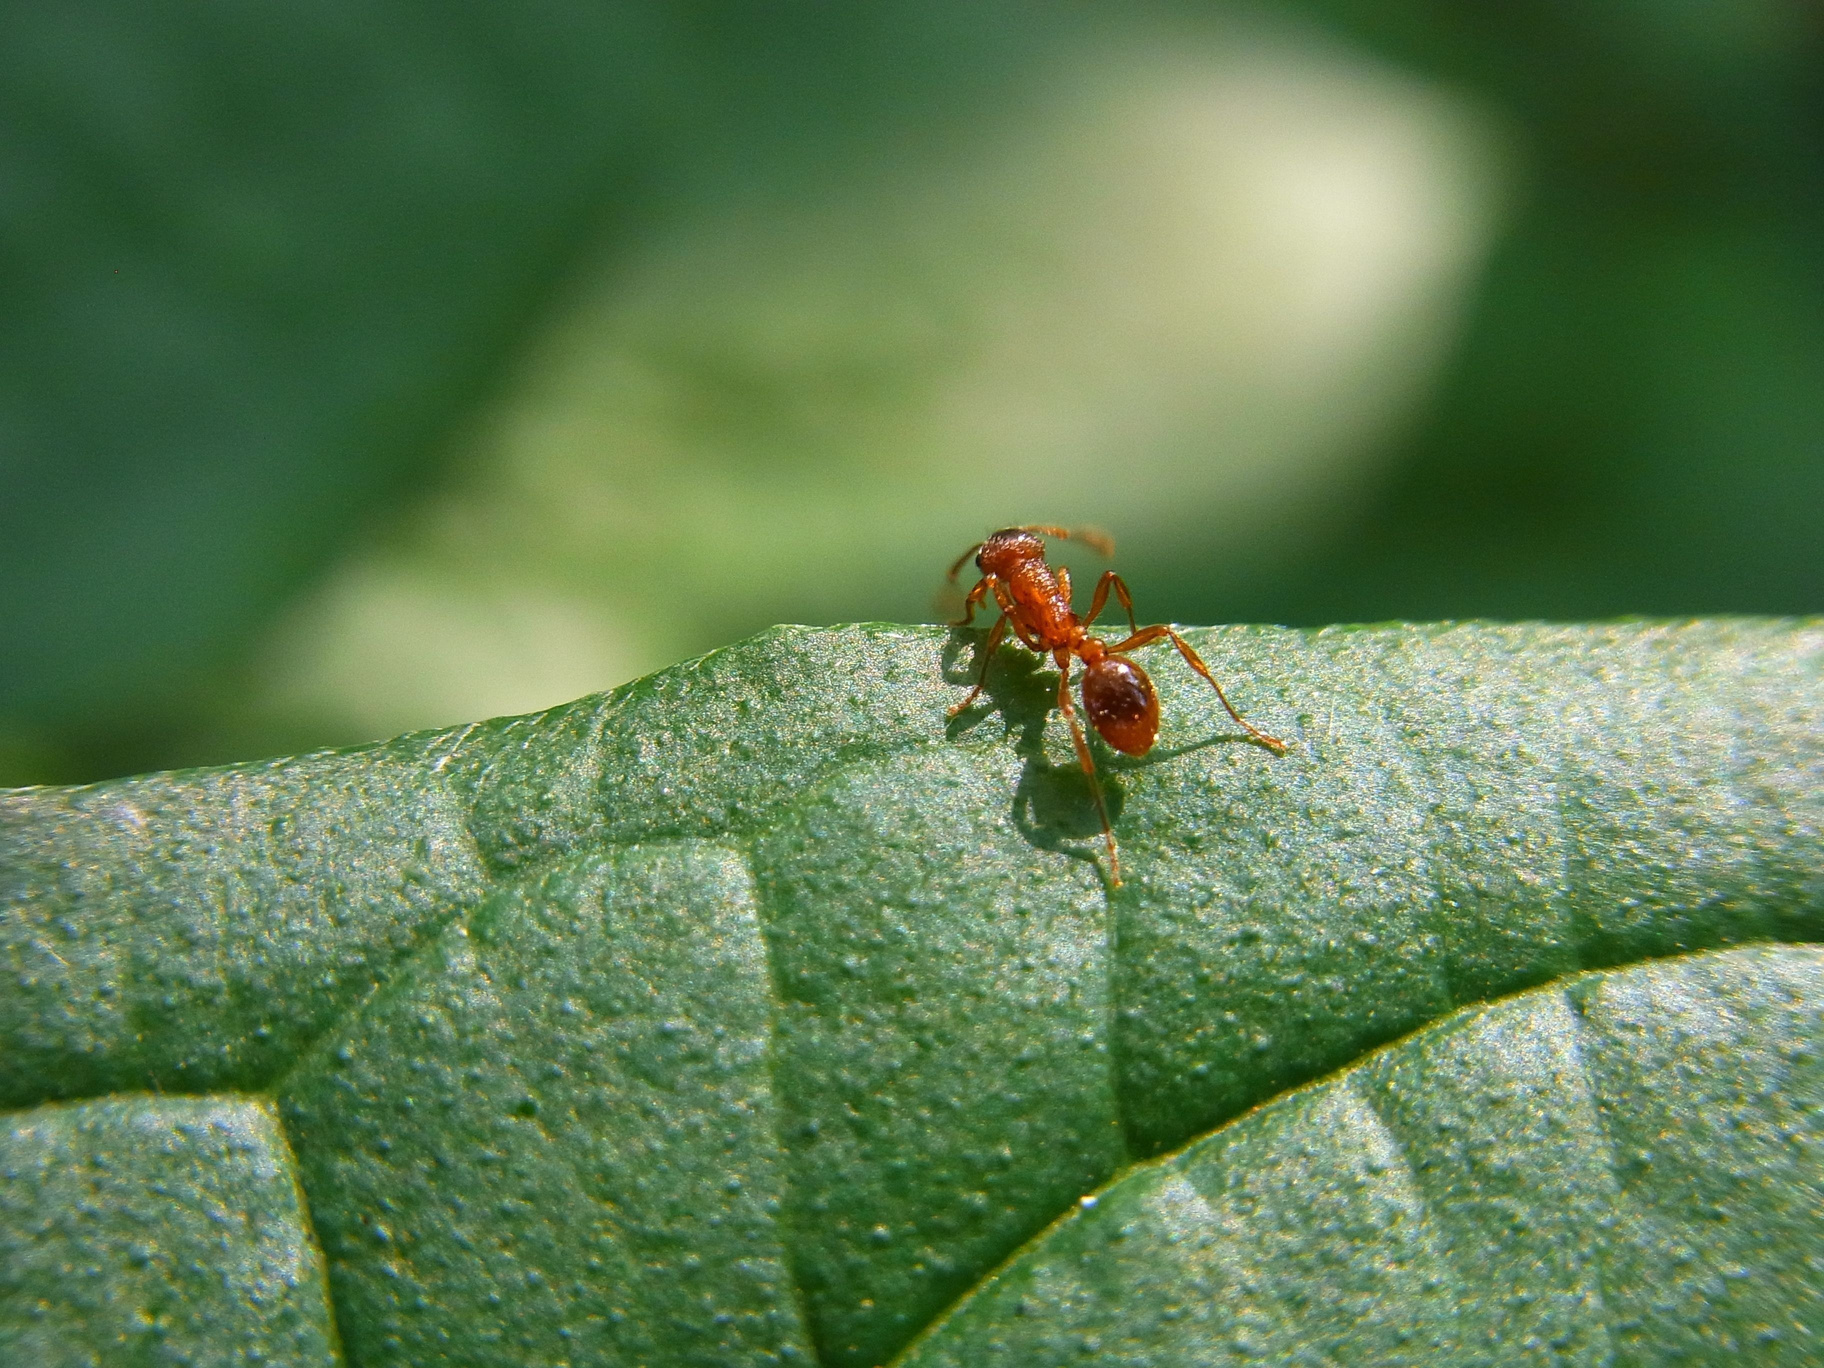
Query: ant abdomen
[[1121, 704]]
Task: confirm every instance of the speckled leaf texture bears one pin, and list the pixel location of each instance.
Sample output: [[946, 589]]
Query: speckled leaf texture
[[756, 1013]]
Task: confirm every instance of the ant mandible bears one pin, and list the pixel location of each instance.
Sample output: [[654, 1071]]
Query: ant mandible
[[1034, 599]]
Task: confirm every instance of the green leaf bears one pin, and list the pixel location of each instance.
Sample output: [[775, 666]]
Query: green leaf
[[156, 1230], [755, 1013], [1621, 1169]]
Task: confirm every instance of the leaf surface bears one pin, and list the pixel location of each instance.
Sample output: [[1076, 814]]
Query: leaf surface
[[753, 1013], [1623, 1169]]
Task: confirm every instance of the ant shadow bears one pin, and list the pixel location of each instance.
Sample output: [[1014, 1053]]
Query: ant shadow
[[1054, 807]]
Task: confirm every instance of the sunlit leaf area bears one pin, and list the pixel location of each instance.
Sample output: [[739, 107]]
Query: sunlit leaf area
[[373, 367], [755, 1014]]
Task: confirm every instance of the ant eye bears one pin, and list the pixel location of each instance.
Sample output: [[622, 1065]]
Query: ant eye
[[978, 561]]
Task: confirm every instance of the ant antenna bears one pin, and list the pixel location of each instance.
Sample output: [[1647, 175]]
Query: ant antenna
[[961, 560], [1093, 537]]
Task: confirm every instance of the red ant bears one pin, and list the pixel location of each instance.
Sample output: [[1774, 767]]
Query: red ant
[[1034, 598]]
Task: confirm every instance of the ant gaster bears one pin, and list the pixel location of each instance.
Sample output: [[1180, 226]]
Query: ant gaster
[[1034, 599]]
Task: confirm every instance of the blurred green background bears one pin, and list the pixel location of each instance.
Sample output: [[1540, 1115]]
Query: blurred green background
[[382, 365]]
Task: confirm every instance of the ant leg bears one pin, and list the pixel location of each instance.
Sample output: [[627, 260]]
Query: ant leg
[[1100, 601], [1127, 601], [995, 637], [1146, 636], [1195, 661], [1088, 762], [1011, 611], [970, 604]]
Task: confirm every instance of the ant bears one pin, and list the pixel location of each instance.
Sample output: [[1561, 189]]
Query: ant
[[1034, 599]]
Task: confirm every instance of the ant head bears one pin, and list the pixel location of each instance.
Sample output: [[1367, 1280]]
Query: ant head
[[1007, 549]]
